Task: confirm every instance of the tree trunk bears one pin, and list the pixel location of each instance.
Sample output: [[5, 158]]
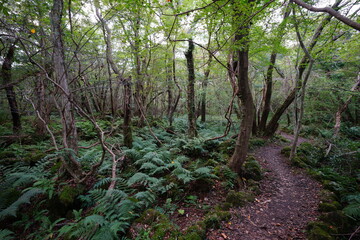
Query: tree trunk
[[191, 90], [204, 88], [174, 106], [61, 78], [344, 107], [127, 114], [10, 93], [244, 92], [273, 123]]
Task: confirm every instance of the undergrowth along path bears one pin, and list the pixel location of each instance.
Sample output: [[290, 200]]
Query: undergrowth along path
[[289, 200]]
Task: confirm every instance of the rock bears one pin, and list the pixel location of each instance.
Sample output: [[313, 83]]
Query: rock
[[239, 199]]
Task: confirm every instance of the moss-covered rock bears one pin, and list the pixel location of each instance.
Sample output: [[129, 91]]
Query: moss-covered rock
[[195, 232], [214, 218], [324, 226], [256, 142], [336, 218], [69, 193], [160, 225], [317, 233], [327, 196], [150, 216], [286, 151], [253, 186], [239, 199], [252, 169], [299, 162]]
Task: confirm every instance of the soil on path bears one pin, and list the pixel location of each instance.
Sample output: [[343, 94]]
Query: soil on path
[[289, 200]]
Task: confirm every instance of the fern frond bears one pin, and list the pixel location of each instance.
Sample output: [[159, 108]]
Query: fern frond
[[25, 198], [148, 166], [146, 197], [94, 220], [6, 234]]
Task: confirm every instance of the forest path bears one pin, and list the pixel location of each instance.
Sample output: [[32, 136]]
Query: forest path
[[288, 201]]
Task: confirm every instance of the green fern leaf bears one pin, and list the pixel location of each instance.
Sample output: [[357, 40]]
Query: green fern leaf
[[6, 234], [25, 198]]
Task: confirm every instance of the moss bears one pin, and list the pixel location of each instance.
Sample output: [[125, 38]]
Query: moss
[[329, 207], [227, 146], [327, 196], [161, 226], [252, 169], [253, 186], [165, 230], [150, 216], [190, 236], [239, 199], [213, 219], [34, 156], [324, 226], [69, 193], [196, 230], [256, 142], [336, 218], [299, 162], [286, 151], [317, 233]]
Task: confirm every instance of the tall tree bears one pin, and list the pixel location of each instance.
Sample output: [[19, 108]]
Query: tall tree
[[269, 73], [61, 78], [241, 61], [6, 72], [191, 90], [273, 123]]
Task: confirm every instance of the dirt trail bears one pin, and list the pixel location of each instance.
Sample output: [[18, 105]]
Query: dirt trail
[[288, 202]]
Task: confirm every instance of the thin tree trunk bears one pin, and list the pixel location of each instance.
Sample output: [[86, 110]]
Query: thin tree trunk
[[173, 109], [10, 93], [204, 88], [344, 107], [191, 90], [273, 123], [299, 116], [248, 109], [127, 114]]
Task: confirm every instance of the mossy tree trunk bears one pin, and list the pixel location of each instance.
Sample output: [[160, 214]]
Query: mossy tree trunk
[[192, 132], [241, 56], [10, 93]]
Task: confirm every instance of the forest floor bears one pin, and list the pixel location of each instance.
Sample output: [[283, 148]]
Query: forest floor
[[288, 201]]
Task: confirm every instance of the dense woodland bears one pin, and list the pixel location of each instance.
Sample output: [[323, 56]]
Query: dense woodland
[[118, 117]]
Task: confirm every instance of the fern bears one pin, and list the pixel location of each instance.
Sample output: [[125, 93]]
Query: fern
[[353, 209], [6, 234], [141, 178], [182, 174], [203, 173], [25, 198], [147, 198]]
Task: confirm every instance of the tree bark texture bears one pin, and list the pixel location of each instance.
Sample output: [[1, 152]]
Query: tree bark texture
[[61, 78], [192, 132], [244, 93], [10, 93], [204, 88]]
